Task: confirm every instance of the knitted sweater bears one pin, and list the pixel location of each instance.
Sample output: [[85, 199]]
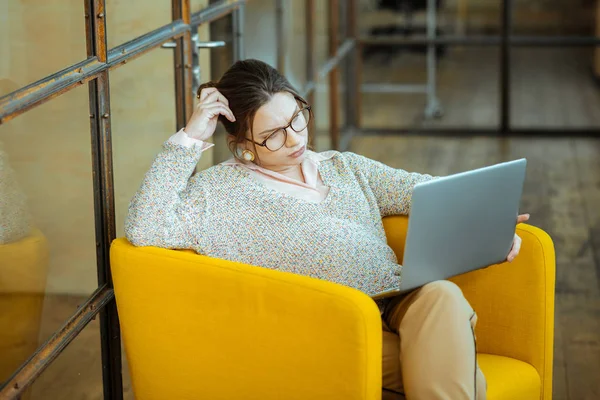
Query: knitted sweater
[[15, 220], [223, 212]]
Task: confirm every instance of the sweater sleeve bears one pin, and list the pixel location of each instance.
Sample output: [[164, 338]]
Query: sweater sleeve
[[15, 219], [169, 205], [392, 187]]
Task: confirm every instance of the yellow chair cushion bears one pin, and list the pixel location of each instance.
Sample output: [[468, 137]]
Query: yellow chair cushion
[[509, 379], [24, 264]]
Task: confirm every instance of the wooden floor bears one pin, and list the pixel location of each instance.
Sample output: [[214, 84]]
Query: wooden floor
[[77, 372], [550, 88]]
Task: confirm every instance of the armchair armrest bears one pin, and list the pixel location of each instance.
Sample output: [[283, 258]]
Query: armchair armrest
[[514, 301], [199, 327], [515, 304]]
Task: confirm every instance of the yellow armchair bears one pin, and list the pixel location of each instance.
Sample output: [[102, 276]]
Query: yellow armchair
[[23, 273], [196, 327]]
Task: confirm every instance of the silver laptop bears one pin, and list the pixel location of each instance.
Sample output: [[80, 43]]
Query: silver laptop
[[461, 223]]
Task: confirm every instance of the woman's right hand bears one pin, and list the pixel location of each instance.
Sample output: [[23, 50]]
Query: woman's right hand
[[203, 122]]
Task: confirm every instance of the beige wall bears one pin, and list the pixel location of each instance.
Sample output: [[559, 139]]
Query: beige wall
[[38, 38]]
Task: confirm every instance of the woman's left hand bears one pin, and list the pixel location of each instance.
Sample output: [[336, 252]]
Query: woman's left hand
[[516, 247]]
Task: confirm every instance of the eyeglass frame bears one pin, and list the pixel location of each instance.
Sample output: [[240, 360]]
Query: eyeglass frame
[[284, 128]]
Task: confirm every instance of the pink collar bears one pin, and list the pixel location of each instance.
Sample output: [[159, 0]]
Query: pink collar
[[310, 169]]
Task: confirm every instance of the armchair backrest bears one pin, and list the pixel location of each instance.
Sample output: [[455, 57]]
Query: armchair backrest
[[395, 229], [196, 327]]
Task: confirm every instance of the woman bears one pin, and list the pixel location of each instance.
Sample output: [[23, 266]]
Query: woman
[[278, 205]]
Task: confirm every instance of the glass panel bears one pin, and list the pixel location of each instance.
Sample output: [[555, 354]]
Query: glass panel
[[553, 88], [126, 20], [47, 235], [38, 39], [467, 89], [77, 371], [386, 18], [142, 95], [553, 17]]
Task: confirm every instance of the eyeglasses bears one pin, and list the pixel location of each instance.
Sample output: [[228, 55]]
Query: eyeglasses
[[277, 139]]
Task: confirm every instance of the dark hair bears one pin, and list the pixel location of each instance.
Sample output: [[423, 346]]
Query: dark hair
[[248, 85]]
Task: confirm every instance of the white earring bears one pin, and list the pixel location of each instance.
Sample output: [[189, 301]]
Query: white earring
[[248, 155]]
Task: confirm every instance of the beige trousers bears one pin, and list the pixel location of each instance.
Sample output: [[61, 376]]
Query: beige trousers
[[429, 347]]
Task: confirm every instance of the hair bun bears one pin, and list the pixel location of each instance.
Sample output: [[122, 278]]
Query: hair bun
[[209, 84]]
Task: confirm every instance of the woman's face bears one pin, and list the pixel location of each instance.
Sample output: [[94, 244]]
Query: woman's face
[[268, 121]]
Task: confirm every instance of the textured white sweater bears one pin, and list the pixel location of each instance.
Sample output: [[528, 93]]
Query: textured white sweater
[[223, 212]]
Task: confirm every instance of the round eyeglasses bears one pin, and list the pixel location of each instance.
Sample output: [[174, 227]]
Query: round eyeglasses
[[276, 140]]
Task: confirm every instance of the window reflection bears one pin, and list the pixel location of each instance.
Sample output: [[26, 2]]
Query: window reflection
[[47, 234]]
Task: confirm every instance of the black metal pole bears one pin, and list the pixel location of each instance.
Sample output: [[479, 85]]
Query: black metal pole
[[505, 67], [482, 41], [109, 323], [110, 333], [104, 210], [104, 205]]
